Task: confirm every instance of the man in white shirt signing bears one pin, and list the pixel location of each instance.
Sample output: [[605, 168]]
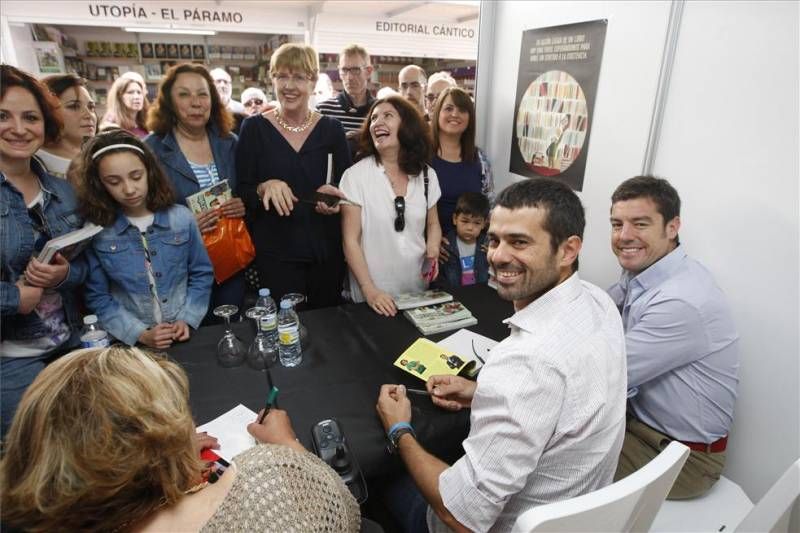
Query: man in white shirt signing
[[548, 409]]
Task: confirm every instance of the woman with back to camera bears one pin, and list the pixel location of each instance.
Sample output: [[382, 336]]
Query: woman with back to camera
[[460, 165], [192, 140], [392, 235], [40, 318], [104, 441], [127, 105], [284, 156], [80, 123]]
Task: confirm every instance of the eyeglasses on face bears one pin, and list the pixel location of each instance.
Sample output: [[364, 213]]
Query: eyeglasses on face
[[254, 101], [352, 71], [284, 79], [400, 209], [431, 97]]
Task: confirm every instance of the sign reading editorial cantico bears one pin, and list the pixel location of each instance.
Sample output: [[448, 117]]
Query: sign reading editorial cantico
[[443, 30]]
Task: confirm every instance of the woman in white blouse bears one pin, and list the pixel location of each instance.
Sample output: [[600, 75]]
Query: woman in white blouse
[[391, 231]]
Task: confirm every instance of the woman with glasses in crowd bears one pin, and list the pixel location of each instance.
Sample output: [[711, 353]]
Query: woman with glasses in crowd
[[104, 441], [39, 314], [80, 123], [127, 105], [284, 157], [192, 140], [391, 232]]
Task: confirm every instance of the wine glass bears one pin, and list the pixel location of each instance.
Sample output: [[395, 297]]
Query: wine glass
[[296, 299], [262, 353], [230, 350]]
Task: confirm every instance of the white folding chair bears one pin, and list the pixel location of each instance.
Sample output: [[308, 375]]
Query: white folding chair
[[778, 511], [719, 509], [630, 504]]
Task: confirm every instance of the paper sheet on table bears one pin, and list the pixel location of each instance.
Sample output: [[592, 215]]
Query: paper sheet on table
[[463, 341], [231, 431]]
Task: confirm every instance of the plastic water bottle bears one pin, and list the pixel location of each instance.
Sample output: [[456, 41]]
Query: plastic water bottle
[[92, 336], [268, 323], [289, 351]]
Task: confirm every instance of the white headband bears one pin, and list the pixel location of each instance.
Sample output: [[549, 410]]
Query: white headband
[[114, 147]]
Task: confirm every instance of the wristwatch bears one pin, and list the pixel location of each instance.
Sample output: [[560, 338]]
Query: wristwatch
[[395, 434]]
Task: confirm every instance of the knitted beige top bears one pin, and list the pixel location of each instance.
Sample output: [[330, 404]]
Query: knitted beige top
[[279, 489]]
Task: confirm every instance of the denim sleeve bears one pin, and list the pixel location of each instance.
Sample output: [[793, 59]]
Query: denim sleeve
[[76, 274], [114, 318], [451, 269], [9, 301], [199, 280]]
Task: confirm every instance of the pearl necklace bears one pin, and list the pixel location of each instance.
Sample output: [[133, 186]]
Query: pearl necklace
[[294, 129]]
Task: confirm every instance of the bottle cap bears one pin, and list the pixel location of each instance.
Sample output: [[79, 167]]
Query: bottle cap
[[90, 319], [286, 304], [263, 292]]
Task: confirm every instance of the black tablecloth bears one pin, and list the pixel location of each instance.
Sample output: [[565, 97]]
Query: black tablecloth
[[350, 355]]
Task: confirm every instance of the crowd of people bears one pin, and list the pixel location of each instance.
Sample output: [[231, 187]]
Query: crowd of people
[[354, 197]]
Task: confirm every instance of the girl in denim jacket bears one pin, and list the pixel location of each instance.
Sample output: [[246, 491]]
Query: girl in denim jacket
[[149, 274]]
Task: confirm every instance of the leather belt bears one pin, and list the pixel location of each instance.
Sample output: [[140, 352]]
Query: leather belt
[[715, 447]]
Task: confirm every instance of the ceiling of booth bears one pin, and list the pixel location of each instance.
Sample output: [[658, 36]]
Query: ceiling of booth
[[453, 11]]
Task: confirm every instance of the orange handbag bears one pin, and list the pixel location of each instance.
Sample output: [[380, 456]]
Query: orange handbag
[[229, 246]]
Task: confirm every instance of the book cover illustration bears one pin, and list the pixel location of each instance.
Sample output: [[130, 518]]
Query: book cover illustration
[[211, 197], [440, 327], [419, 299], [425, 358], [438, 314]]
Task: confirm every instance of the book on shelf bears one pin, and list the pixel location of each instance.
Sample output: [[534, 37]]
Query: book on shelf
[[70, 244], [440, 317], [420, 299], [461, 354], [211, 197]]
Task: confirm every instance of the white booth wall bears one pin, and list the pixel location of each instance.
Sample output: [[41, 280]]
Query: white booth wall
[[729, 144]]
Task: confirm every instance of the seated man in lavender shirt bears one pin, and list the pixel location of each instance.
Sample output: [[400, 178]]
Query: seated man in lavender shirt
[[682, 343]]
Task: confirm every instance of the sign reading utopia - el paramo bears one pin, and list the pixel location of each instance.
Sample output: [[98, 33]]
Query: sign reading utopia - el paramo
[[558, 71]]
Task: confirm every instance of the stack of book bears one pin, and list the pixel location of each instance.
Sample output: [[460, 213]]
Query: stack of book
[[434, 311]]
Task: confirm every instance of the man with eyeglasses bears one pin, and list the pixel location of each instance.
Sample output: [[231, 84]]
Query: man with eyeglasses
[[351, 106], [413, 81], [223, 83], [255, 101], [437, 83]]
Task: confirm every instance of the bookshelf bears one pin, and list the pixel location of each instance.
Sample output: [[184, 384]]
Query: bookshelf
[[551, 122]]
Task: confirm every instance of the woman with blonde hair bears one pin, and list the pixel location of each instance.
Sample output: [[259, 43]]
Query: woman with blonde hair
[[104, 441], [284, 157], [127, 105]]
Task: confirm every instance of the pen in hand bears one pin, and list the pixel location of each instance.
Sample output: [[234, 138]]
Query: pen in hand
[[273, 394], [419, 392]]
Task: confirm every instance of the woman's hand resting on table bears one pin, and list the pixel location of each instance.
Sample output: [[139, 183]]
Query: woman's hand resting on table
[[381, 302]]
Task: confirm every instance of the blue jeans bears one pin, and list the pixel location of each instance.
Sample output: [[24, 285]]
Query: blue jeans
[[17, 373], [406, 505]]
